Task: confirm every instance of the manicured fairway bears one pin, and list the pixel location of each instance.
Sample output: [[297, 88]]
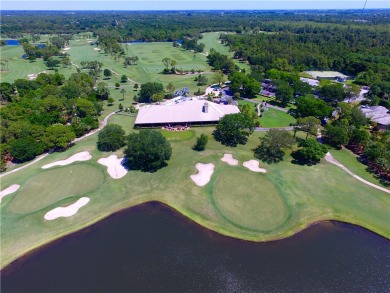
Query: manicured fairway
[[54, 185], [249, 200], [347, 158], [211, 40]]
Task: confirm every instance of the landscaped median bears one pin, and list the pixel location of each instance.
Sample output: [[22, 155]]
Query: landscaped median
[[236, 202]]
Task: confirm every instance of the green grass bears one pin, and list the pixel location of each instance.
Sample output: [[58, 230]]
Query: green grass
[[276, 118], [178, 135], [51, 186], [257, 209], [350, 160], [211, 40], [148, 68], [236, 202], [272, 117]]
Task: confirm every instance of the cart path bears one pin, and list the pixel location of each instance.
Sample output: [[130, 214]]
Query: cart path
[[37, 159], [329, 158]]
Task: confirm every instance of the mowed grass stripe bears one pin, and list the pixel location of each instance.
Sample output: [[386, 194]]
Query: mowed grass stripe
[[56, 184]]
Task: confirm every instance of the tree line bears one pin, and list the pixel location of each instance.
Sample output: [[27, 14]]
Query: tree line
[[45, 114]]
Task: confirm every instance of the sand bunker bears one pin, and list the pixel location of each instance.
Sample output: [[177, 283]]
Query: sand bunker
[[204, 175], [114, 166], [9, 190], [96, 49], [253, 165], [228, 158], [66, 49], [83, 156], [32, 76], [66, 211]]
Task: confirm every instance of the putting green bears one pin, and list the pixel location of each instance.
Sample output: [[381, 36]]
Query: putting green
[[56, 184], [250, 202]]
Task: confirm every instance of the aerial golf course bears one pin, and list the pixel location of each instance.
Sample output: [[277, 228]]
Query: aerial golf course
[[236, 201]]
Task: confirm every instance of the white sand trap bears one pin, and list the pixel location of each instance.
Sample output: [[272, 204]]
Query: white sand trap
[[204, 175], [114, 166], [66, 211], [253, 165], [32, 76], [96, 49], [9, 190], [228, 158], [66, 49], [83, 156]]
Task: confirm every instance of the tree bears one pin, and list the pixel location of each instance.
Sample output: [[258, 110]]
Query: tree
[[167, 62], [309, 125], [335, 135], [359, 138], [58, 136], [66, 62], [310, 153], [271, 147], [148, 90], [201, 142], [123, 91], [123, 78], [51, 63], [117, 85], [170, 89], [120, 107], [102, 91], [85, 108], [147, 151], [332, 93], [310, 106], [136, 86], [158, 97], [111, 138], [233, 129], [110, 101], [25, 149], [201, 79], [107, 73], [219, 78], [284, 93]]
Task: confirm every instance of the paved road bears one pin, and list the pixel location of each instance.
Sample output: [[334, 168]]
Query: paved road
[[37, 159], [266, 129]]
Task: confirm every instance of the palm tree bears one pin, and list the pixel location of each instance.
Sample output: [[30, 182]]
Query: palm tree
[[123, 91]]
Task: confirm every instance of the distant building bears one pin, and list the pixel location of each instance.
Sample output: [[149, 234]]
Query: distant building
[[189, 112], [378, 114], [330, 75]]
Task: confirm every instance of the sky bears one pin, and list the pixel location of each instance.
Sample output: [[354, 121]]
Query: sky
[[189, 5]]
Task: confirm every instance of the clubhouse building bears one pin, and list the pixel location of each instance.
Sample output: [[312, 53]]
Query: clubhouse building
[[185, 112]]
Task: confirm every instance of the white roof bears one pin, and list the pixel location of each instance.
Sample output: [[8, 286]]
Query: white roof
[[184, 112], [378, 114]]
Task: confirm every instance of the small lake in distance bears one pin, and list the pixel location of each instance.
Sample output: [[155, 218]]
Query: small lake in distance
[[151, 248]]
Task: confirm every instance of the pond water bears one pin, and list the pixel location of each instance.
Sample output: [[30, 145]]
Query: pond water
[[12, 42], [150, 248]]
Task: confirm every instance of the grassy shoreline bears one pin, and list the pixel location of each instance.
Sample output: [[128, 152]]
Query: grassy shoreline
[[5, 263]]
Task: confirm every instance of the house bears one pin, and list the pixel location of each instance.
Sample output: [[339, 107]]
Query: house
[[186, 112], [378, 114]]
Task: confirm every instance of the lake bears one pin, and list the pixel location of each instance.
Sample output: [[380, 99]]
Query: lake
[[151, 248]]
